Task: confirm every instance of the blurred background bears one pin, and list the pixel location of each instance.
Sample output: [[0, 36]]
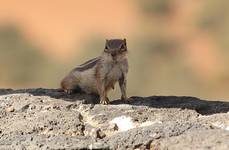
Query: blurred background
[[176, 47]]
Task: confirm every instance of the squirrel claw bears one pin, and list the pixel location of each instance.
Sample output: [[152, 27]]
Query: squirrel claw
[[104, 102], [68, 91]]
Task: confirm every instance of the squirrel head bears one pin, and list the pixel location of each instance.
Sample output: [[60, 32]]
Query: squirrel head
[[116, 48]]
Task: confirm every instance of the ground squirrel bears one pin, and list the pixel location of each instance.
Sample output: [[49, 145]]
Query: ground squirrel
[[99, 75]]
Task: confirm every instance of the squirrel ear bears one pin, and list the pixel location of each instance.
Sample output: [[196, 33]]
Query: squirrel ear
[[124, 41], [106, 47]]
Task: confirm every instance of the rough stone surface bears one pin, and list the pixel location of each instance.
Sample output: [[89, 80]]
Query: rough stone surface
[[50, 119]]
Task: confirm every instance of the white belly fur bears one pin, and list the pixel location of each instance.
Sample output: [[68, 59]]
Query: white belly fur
[[114, 75]]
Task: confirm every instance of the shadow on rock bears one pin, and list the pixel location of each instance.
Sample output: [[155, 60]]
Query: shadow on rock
[[203, 107], [54, 93]]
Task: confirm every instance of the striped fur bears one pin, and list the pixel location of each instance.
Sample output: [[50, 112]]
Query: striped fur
[[87, 65], [91, 60]]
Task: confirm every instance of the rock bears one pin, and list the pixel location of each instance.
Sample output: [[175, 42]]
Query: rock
[[100, 134], [10, 109], [203, 139], [50, 119]]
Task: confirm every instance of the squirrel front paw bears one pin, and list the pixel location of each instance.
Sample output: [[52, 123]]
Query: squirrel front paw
[[124, 98], [128, 100], [104, 101]]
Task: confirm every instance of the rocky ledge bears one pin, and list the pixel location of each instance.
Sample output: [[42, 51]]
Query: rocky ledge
[[50, 119]]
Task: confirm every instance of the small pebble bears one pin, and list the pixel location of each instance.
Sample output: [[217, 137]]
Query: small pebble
[[10, 109], [100, 134]]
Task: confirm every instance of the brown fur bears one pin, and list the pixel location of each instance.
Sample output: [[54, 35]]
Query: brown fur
[[100, 74]]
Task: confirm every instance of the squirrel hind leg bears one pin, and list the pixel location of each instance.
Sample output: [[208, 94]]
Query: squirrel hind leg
[[69, 85]]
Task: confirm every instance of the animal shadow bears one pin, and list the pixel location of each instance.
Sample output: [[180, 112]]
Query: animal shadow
[[203, 107]]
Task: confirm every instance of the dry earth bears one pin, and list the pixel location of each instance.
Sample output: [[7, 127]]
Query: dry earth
[[49, 119]]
